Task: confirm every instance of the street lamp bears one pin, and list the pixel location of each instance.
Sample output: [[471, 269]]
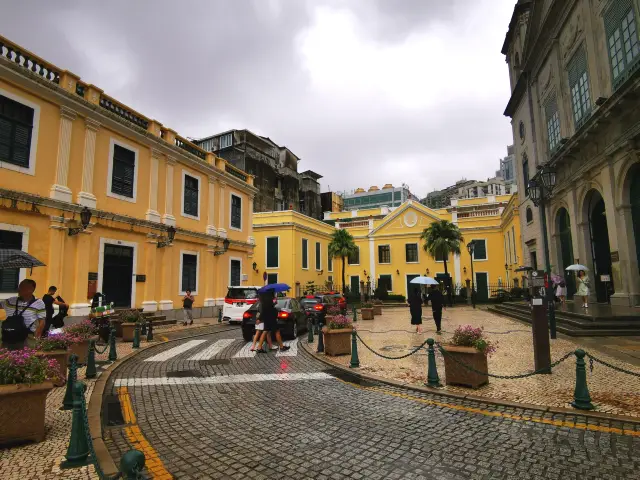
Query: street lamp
[[540, 190], [225, 247], [471, 246], [171, 234], [85, 219]]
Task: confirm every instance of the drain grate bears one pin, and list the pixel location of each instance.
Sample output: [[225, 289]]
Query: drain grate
[[184, 373], [346, 377], [216, 361], [113, 411]]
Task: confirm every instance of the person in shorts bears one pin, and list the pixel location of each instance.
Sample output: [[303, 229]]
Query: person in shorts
[[32, 310], [259, 331], [269, 316], [187, 307]]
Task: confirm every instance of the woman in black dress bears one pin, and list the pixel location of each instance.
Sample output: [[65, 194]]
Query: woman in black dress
[[415, 307], [269, 315]]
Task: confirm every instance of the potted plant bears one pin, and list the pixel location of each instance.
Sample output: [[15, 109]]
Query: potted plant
[[468, 347], [85, 331], [56, 347], [102, 324], [367, 311], [25, 381], [337, 336], [331, 313], [377, 307], [130, 319]]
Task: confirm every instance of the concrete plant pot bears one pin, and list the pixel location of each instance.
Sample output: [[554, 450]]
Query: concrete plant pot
[[337, 341], [22, 412], [81, 349], [367, 313], [128, 330], [62, 357], [377, 310], [457, 374]]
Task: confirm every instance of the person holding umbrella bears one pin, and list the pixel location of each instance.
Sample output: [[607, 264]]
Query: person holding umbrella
[[437, 304], [269, 316], [415, 308], [583, 288]]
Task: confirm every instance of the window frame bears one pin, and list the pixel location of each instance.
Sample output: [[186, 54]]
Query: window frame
[[305, 258], [194, 254], [226, 135], [266, 252], [349, 258], [379, 254], [612, 18], [136, 167], [231, 195], [552, 123], [318, 256], [390, 280], [526, 215], [525, 173], [186, 173], [239, 260], [33, 147], [577, 69], [486, 250], [22, 274], [417, 252]]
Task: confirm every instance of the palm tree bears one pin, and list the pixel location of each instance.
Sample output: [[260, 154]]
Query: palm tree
[[441, 239], [342, 245]]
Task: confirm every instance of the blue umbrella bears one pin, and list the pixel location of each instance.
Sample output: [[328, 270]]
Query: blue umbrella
[[275, 287]]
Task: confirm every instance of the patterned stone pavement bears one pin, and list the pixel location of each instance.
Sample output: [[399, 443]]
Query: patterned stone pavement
[[271, 416]]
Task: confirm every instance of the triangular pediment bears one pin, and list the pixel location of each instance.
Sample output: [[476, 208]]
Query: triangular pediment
[[410, 217]]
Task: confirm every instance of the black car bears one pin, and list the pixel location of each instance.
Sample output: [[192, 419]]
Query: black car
[[291, 319], [316, 306]]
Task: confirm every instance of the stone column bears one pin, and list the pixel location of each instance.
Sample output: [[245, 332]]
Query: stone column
[[577, 241], [85, 196], [167, 286], [620, 282], [211, 229], [628, 266], [168, 218], [208, 274], [55, 262], [152, 213], [222, 218], [60, 190], [150, 253]]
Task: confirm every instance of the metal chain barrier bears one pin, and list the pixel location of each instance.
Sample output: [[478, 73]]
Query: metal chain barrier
[[415, 350], [95, 346], [441, 331], [506, 377], [618, 369]]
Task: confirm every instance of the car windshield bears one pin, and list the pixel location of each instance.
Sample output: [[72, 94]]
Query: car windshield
[[282, 303], [242, 293], [308, 302]]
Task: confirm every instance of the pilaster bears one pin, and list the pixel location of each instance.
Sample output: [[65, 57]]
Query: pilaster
[[152, 213], [60, 190], [57, 235], [167, 290], [168, 218], [222, 232], [211, 229], [85, 196], [208, 277], [79, 304], [150, 303]]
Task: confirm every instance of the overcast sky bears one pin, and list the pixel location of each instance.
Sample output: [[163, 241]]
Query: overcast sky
[[365, 92]]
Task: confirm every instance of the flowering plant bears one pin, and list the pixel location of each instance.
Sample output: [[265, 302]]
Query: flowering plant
[[467, 336], [367, 305], [339, 322], [25, 366], [85, 329], [333, 311], [57, 341]]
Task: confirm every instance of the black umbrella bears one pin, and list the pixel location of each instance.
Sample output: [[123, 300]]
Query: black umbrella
[[10, 258]]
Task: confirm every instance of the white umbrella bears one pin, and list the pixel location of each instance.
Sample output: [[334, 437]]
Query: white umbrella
[[425, 281], [576, 267]]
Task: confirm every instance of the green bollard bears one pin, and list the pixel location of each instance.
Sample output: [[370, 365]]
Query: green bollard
[[315, 326], [432, 371], [581, 397], [132, 464], [220, 315], [78, 450], [310, 331], [320, 340], [136, 336], [91, 371], [143, 330], [355, 361], [67, 403], [113, 352], [355, 314], [150, 332]]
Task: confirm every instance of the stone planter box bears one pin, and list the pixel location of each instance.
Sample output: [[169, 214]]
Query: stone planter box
[[377, 310], [456, 374], [337, 342], [128, 329], [327, 319], [118, 326], [367, 313], [22, 410], [62, 357], [81, 349]]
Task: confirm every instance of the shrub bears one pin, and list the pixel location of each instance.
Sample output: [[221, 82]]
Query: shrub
[[396, 298], [381, 292], [468, 336], [25, 366], [132, 316], [517, 292], [85, 329], [367, 305], [339, 322], [57, 341], [333, 311]]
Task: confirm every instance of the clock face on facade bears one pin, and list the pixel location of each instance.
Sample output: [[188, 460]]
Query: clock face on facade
[[522, 131]]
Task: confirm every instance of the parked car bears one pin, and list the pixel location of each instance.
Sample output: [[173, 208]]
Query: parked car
[[342, 302], [237, 301], [291, 318], [316, 306]]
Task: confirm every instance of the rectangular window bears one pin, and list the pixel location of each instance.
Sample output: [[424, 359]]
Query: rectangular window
[[10, 277], [329, 261], [305, 253], [385, 281], [318, 256], [189, 272], [236, 212], [622, 40], [579, 87], [534, 260], [525, 174], [234, 273], [354, 258], [480, 250], [553, 123], [272, 278], [411, 252], [273, 252], [191, 195], [123, 173], [226, 140], [384, 254], [16, 125]]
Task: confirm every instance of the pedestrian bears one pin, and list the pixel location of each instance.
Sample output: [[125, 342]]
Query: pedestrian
[[49, 301], [437, 304], [561, 291], [259, 331], [26, 316], [187, 307], [415, 308], [583, 288], [269, 315]]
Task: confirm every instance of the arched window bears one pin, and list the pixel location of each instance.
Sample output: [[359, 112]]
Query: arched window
[[529, 215]]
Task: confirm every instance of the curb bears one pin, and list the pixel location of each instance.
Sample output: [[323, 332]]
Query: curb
[[94, 409], [475, 398]]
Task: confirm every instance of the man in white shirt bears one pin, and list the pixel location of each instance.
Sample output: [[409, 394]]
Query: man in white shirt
[[32, 310]]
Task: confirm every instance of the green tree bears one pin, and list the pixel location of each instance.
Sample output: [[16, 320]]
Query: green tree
[[342, 245], [441, 239]]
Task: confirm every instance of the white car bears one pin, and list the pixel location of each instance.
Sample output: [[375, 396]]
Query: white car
[[238, 301]]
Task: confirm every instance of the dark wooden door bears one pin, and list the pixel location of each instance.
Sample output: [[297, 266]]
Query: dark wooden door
[[117, 275]]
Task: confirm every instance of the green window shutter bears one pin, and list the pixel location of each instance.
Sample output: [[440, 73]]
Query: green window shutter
[[318, 256], [614, 15], [480, 251], [580, 94], [272, 252], [305, 253], [577, 66]]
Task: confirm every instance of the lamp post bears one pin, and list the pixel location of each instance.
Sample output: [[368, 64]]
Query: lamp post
[[85, 219], [471, 246], [225, 247], [171, 234], [540, 191]]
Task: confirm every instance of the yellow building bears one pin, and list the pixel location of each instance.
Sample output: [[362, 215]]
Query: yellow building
[[389, 245], [66, 145]]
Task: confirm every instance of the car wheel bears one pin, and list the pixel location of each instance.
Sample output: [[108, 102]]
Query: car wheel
[[247, 336]]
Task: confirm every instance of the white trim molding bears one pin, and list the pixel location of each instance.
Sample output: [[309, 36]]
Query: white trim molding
[[31, 170], [121, 243], [197, 255], [199, 179], [136, 166], [22, 274]]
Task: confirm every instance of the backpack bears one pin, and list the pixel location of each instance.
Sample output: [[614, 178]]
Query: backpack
[[58, 319], [13, 328]]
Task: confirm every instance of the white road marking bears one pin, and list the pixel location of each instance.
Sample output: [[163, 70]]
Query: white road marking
[[175, 351], [212, 350], [221, 379], [293, 350], [245, 352]]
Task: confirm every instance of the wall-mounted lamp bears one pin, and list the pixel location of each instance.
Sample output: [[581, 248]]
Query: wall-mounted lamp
[[397, 272], [225, 247], [464, 269], [171, 234], [365, 273], [85, 218], [255, 267], [427, 273], [320, 272]]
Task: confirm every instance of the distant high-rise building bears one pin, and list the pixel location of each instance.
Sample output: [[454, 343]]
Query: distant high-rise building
[[387, 196]]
